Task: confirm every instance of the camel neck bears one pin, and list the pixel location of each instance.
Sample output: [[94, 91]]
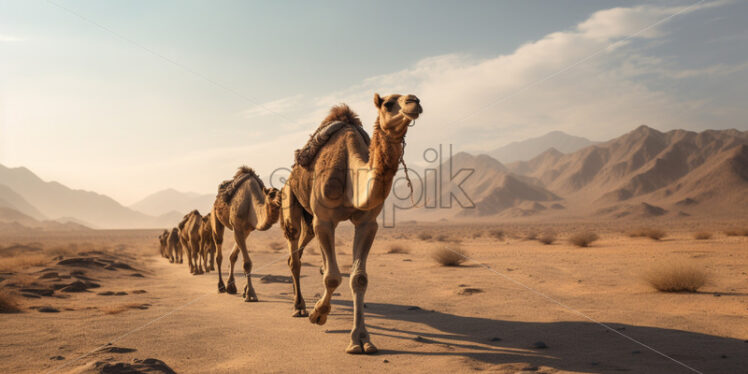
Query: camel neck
[[385, 152]]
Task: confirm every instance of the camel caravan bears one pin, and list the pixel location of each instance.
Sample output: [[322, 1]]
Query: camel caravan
[[340, 174]]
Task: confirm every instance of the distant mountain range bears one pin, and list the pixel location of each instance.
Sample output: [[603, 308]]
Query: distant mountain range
[[530, 148], [24, 192], [644, 173], [170, 200]]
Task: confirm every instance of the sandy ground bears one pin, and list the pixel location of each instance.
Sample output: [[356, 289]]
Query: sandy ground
[[422, 316]]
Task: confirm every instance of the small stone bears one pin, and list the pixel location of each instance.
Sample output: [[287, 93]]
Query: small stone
[[539, 345], [137, 275], [139, 291], [386, 361], [48, 309], [57, 358], [495, 339]]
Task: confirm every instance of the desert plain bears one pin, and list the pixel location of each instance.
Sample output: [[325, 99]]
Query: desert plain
[[517, 305]]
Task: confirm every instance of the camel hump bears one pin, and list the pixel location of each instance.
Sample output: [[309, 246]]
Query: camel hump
[[340, 116], [228, 188]]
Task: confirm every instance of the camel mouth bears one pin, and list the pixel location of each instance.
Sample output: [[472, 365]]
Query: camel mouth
[[411, 116]]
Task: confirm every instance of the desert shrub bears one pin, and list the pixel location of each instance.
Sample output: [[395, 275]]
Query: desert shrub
[[397, 248], [547, 238], [702, 235], [449, 256], [477, 234], [442, 238], [497, 234], [677, 277], [16, 263], [583, 239], [424, 236], [8, 302], [531, 235], [645, 232]]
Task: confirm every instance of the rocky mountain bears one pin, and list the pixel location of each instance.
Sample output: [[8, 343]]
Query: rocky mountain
[[169, 201], [10, 199], [54, 200], [527, 149]]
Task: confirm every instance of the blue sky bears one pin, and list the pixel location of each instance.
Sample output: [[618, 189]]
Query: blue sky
[[168, 96]]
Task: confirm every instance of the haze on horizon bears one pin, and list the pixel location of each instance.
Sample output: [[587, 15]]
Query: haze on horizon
[[128, 99]]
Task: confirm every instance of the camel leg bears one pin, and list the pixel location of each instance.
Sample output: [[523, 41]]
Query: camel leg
[[363, 238], [195, 244], [172, 251], [188, 252], [212, 257], [297, 237], [231, 283], [218, 241], [241, 241], [325, 232]]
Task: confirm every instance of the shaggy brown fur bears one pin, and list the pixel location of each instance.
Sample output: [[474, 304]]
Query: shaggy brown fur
[[340, 116], [227, 188]]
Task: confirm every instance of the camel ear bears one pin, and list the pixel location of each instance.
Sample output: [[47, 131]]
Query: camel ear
[[377, 100], [266, 190]]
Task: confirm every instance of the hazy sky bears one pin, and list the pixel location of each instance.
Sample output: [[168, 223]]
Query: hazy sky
[[127, 98]]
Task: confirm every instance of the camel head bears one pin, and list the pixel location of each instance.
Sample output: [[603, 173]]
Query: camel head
[[396, 112], [273, 196]]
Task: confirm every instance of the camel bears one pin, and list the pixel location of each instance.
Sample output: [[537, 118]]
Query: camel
[[175, 246], [342, 175], [207, 246], [189, 236], [162, 243], [243, 204]]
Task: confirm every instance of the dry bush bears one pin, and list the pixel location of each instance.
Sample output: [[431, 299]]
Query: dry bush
[[736, 232], [547, 238], [477, 234], [583, 239], [424, 236], [442, 238], [8, 302], [498, 234], [449, 256], [702, 235], [645, 232], [16, 263], [677, 277], [532, 235], [276, 246], [397, 248]]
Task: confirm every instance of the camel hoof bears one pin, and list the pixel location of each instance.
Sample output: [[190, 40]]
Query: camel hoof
[[354, 349], [231, 288], [317, 318], [300, 313], [251, 299], [370, 348], [221, 287]]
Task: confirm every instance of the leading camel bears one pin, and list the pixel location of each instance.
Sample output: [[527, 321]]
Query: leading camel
[[243, 205], [341, 175]]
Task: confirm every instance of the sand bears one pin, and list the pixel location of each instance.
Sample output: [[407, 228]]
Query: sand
[[526, 307]]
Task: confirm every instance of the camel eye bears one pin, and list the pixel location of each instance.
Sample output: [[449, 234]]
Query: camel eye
[[389, 104]]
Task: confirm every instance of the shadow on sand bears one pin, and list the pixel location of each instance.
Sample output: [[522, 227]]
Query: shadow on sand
[[574, 346]]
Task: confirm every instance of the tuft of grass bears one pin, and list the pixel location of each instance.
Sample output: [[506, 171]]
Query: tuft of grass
[[449, 256], [645, 232], [677, 277], [424, 236], [702, 235], [397, 248], [276, 246], [16, 263], [531, 235], [547, 238], [477, 234], [442, 238], [497, 234], [8, 302], [583, 239]]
